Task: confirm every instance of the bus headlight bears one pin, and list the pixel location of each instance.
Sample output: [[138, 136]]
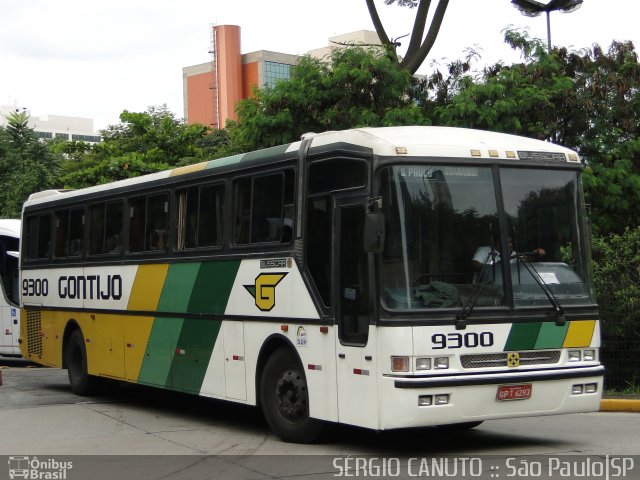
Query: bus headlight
[[575, 355], [588, 355], [423, 363], [441, 363], [442, 399]]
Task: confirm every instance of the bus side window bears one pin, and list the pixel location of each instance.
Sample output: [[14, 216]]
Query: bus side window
[[242, 204], [156, 222], [137, 213], [38, 241], [201, 217], [61, 239], [264, 208], [105, 228]]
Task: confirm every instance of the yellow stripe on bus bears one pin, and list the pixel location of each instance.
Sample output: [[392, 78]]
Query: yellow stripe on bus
[[147, 287], [137, 333], [579, 334], [188, 169]]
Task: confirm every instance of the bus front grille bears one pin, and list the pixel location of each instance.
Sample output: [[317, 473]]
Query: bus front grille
[[34, 331], [533, 357]]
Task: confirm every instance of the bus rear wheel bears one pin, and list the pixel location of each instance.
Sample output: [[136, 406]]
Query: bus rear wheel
[[285, 399], [76, 360]]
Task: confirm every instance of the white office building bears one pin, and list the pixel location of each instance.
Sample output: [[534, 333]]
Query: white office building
[[55, 126]]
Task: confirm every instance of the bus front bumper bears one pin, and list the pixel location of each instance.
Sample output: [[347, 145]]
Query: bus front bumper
[[460, 398]]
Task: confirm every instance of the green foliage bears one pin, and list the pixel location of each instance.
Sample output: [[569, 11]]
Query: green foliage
[[617, 281], [141, 143], [26, 165], [357, 87], [616, 263], [587, 100]]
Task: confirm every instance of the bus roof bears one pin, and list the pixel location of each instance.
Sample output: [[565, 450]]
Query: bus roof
[[9, 227], [441, 141], [409, 141]]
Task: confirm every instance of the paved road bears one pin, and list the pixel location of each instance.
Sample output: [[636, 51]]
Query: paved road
[[44, 418]]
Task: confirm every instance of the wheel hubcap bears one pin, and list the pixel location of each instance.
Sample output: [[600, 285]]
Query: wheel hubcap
[[291, 398]]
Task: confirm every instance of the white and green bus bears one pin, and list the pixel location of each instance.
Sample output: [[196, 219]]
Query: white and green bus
[[10, 285], [353, 277]]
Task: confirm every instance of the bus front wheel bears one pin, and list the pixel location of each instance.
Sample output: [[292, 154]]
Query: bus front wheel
[[285, 399], [76, 360]]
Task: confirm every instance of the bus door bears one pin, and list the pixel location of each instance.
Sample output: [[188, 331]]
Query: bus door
[[355, 347]]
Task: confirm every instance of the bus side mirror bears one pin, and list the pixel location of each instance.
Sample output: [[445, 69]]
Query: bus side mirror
[[374, 232]]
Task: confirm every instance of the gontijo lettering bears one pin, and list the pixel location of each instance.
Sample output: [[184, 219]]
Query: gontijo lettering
[[90, 287]]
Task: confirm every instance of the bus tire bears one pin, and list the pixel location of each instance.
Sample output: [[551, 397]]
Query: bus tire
[[285, 399], [76, 360]]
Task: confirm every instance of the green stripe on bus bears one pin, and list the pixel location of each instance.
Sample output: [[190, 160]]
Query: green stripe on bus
[[158, 357], [190, 288], [267, 152], [523, 336], [551, 335], [213, 286], [193, 353], [178, 287], [222, 162]]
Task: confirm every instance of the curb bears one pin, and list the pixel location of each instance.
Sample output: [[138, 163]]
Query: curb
[[619, 405]]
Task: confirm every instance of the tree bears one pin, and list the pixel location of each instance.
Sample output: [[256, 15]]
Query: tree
[[143, 142], [419, 44], [588, 100], [26, 165], [616, 269], [357, 87]]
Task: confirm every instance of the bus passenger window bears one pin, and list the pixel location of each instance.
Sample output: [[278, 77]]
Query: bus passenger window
[[264, 208], [242, 197], [113, 228], [211, 216], [156, 223], [201, 217], [69, 233], [76, 232], [38, 237], [62, 227], [105, 228], [137, 212]]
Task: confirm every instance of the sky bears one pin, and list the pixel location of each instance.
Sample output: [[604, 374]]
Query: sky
[[94, 59]]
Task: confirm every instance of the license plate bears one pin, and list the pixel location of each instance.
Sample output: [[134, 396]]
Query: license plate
[[514, 392]]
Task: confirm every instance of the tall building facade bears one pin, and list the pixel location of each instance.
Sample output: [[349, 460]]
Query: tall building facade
[[212, 90]]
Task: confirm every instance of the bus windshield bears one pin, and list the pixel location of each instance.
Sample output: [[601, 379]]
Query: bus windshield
[[444, 244]]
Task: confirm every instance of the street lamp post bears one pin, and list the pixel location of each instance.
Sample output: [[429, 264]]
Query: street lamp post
[[533, 8]]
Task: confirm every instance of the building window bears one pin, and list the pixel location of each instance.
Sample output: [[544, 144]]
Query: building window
[[86, 138], [274, 71]]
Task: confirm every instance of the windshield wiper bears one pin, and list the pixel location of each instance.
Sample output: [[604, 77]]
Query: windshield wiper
[[557, 308], [463, 316]]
